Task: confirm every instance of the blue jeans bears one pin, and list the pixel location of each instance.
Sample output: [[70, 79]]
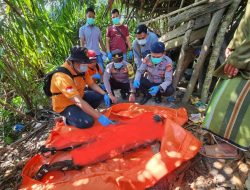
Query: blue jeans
[[76, 116], [100, 61]]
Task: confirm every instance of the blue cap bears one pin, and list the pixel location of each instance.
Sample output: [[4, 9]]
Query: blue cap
[[157, 47]]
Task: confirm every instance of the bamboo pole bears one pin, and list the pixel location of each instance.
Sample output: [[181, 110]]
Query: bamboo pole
[[204, 52], [180, 63], [216, 50], [176, 12]]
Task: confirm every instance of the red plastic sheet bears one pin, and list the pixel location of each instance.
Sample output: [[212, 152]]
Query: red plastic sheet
[[131, 170]]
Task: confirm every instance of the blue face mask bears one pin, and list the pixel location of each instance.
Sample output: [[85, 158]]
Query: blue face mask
[[118, 65], [91, 21], [156, 60], [116, 20], [83, 68]]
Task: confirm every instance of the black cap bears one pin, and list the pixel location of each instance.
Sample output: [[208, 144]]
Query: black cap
[[117, 55], [79, 54], [141, 28]]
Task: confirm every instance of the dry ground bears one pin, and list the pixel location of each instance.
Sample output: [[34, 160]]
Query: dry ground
[[200, 173]]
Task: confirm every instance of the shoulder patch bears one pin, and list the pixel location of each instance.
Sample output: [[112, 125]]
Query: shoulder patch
[[169, 67]]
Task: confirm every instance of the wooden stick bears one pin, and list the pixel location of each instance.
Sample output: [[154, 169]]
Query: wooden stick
[[182, 54], [198, 11], [175, 12], [204, 52], [216, 50]]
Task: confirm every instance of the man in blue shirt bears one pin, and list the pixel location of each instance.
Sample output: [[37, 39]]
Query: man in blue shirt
[[142, 43], [91, 36]]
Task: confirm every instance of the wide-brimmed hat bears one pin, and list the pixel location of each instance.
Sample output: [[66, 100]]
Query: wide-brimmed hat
[[79, 54]]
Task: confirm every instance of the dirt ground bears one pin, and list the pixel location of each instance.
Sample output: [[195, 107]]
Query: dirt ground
[[200, 173]]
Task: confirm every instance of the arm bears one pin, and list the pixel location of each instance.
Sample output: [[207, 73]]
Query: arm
[[106, 77], [107, 44], [81, 37], [85, 107], [140, 71], [168, 77], [137, 54], [128, 42], [97, 88]]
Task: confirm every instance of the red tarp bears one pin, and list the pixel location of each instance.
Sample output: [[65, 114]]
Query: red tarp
[[137, 169]]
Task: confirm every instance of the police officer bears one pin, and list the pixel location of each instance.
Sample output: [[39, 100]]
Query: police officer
[[119, 74], [159, 74]]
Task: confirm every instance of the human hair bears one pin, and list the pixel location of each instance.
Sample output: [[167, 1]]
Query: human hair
[[115, 11], [90, 9]]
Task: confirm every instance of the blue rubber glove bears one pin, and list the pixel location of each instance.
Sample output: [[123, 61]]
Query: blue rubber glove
[[104, 121], [153, 90], [96, 76], [109, 55], [106, 100], [130, 54], [136, 84]]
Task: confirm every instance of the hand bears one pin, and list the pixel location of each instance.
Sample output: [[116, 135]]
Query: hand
[[228, 52], [136, 84], [104, 121], [153, 90], [96, 76], [106, 100], [109, 55], [230, 70], [113, 98], [130, 54], [131, 97]]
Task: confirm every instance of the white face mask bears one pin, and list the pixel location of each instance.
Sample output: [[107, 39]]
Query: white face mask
[[118, 65], [83, 68], [142, 42]]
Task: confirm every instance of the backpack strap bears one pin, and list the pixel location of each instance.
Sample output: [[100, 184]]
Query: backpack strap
[[67, 72]]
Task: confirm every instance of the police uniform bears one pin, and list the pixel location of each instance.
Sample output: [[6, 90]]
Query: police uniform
[[160, 74], [121, 78]]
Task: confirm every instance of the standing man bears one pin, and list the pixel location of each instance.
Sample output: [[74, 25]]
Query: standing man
[[90, 36], [117, 37], [159, 74], [68, 95], [142, 43]]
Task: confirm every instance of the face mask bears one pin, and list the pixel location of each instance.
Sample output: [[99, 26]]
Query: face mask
[[116, 20], [156, 60], [91, 21], [118, 65], [83, 68], [142, 42]]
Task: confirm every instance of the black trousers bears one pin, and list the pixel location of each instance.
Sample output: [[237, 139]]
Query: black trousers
[[145, 85], [125, 87]]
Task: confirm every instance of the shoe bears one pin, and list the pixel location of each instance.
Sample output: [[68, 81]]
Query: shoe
[[145, 99], [157, 99], [123, 94]]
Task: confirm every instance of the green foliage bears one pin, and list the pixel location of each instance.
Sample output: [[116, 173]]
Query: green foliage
[[35, 37]]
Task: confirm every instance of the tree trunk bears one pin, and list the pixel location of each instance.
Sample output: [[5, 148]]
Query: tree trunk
[[216, 50], [204, 51]]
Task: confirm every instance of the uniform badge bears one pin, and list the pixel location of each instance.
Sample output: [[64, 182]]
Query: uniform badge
[[69, 89], [169, 67]]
